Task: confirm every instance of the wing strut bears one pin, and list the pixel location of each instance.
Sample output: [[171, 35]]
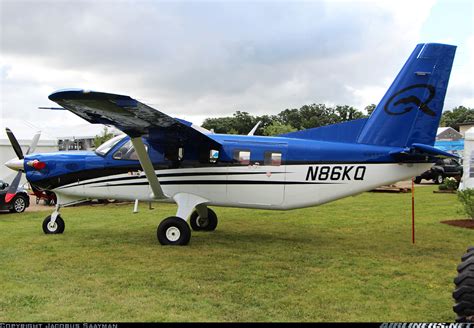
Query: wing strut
[[148, 167]]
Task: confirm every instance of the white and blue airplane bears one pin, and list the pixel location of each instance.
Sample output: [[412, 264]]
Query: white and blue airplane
[[160, 158]]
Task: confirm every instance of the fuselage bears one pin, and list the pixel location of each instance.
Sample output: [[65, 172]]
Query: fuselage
[[246, 171]]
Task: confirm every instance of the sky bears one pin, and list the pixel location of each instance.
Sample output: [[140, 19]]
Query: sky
[[196, 59]]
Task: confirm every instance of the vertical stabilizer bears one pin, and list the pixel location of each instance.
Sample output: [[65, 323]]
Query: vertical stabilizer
[[411, 109]]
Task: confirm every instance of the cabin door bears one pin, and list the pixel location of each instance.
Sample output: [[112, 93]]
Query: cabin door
[[256, 175]]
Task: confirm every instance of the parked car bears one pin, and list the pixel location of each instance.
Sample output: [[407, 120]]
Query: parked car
[[18, 204], [442, 169]]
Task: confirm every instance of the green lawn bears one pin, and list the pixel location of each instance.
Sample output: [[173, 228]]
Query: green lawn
[[350, 260]]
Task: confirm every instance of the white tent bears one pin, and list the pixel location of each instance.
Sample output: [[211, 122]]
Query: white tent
[[468, 160]]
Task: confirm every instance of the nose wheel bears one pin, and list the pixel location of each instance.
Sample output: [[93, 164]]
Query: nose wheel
[[53, 227]]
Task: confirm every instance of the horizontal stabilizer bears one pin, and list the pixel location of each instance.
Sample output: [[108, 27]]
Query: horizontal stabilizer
[[420, 152]]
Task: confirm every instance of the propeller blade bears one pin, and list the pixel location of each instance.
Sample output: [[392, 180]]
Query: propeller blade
[[13, 188], [34, 142], [15, 144]]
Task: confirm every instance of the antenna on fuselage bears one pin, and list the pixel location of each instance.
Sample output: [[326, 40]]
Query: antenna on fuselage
[[251, 133]]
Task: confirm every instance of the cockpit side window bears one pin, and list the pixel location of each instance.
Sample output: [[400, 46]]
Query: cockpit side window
[[108, 145], [127, 152]]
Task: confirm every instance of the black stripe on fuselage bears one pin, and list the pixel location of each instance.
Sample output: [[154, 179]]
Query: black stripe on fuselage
[[170, 175], [216, 182]]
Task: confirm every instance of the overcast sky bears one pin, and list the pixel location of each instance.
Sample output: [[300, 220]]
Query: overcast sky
[[195, 59]]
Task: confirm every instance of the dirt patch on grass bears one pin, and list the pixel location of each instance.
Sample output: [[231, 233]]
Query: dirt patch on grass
[[468, 223]]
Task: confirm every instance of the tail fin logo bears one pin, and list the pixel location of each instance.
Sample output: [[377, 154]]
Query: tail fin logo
[[405, 100]]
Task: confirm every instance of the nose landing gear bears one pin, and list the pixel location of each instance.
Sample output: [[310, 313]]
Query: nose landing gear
[[53, 224]]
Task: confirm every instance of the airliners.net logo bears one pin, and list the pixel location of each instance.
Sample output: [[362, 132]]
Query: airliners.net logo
[[425, 325]]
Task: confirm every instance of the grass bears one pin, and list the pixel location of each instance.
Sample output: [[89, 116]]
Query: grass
[[350, 260]]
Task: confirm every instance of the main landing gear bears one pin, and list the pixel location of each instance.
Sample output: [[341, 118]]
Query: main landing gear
[[53, 224], [176, 231]]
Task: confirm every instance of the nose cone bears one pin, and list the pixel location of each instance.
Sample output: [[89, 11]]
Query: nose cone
[[15, 164]]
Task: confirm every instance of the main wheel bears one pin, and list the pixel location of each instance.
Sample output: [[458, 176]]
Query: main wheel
[[438, 179], [173, 231], [464, 293], [19, 204], [203, 224], [53, 228]]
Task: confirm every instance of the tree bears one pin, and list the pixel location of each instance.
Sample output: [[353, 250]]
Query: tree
[[99, 140], [243, 122], [370, 108], [238, 123], [457, 115], [347, 113], [219, 124], [316, 115], [306, 117], [277, 128]]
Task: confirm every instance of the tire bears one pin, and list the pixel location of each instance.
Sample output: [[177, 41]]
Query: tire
[[203, 224], [20, 203], [173, 231], [417, 180], [439, 178], [464, 292], [57, 228]]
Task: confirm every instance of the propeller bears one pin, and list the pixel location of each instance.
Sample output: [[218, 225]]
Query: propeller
[[12, 189], [14, 143], [34, 142]]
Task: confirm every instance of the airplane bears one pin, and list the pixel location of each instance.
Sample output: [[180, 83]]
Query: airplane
[[160, 158]]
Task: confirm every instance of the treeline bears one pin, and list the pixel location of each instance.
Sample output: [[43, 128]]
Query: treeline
[[311, 116], [288, 120]]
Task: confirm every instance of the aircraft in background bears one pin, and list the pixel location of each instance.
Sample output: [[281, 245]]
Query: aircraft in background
[[161, 158]]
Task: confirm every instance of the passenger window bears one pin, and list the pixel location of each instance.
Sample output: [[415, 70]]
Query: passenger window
[[174, 154], [127, 152], [242, 156], [272, 158]]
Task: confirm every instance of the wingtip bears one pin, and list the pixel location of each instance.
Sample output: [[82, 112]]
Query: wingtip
[[59, 94]]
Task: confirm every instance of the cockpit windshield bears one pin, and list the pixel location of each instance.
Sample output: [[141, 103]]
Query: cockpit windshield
[[108, 145], [127, 152]]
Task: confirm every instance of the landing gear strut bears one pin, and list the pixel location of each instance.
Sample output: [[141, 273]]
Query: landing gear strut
[[53, 224]]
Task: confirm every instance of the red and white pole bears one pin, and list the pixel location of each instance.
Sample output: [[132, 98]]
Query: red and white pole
[[413, 210]]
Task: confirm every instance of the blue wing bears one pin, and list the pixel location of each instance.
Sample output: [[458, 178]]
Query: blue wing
[[129, 115]]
